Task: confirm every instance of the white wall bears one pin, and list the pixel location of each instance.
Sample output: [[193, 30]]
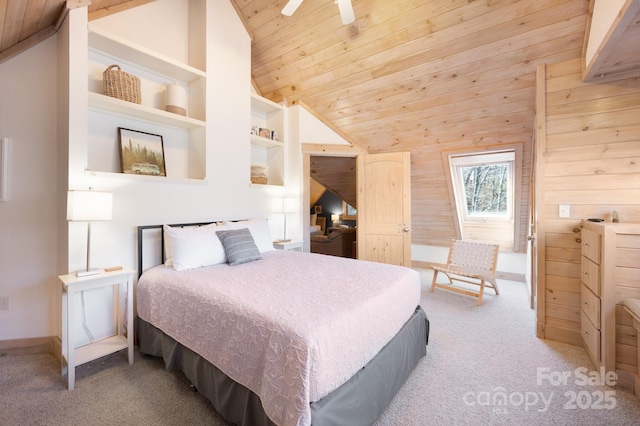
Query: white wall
[[28, 232], [32, 223], [227, 193], [314, 131], [604, 14]]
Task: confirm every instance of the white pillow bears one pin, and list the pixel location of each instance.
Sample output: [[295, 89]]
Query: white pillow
[[259, 228], [193, 247]]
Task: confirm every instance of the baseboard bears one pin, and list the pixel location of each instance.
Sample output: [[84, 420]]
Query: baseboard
[[501, 275], [33, 345], [625, 381], [57, 347]]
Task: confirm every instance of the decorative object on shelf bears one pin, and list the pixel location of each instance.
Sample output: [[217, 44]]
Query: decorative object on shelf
[[119, 84], [259, 174], [176, 99], [615, 217], [265, 133], [254, 130], [141, 153], [288, 207], [274, 135], [4, 169], [89, 206]]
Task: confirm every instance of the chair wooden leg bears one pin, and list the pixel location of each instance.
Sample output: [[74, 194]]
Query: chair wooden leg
[[433, 281], [481, 292], [495, 286]]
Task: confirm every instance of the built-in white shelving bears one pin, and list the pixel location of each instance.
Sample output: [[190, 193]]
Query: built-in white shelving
[[268, 153], [184, 136], [125, 50], [104, 103]]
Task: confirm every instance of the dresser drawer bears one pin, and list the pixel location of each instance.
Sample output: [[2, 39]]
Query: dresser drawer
[[590, 274], [590, 304], [591, 245], [591, 337]]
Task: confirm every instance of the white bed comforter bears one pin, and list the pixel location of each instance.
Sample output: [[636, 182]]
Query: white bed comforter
[[291, 327]]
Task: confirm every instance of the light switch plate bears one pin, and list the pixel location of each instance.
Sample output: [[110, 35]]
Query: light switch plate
[[564, 211]]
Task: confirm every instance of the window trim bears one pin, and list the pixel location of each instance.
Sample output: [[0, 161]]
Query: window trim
[[345, 211], [458, 162], [517, 148]]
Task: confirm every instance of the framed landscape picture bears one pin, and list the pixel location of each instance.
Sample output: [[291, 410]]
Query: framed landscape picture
[[141, 153]]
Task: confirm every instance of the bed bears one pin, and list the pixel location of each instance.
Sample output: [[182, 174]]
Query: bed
[[288, 338]]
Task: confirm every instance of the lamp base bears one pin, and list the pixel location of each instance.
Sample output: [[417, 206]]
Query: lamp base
[[88, 272]]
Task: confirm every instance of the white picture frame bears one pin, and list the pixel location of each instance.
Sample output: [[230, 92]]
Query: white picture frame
[[4, 169]]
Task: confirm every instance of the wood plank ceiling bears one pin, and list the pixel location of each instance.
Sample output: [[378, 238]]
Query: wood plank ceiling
[[24, 23], [424, 76]]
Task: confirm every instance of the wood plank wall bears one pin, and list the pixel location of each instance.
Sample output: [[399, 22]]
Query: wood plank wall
[[493, 106], [589, 159]]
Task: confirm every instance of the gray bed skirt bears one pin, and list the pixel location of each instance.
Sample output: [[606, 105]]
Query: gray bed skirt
[[359, 401]]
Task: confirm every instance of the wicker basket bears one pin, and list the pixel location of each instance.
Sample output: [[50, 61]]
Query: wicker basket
[[121, 85], [259, 174]]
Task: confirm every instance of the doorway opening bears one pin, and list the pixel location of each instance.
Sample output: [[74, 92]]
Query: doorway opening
[[333, 183]]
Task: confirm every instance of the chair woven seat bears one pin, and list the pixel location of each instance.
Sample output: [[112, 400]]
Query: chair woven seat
[[471, 262]]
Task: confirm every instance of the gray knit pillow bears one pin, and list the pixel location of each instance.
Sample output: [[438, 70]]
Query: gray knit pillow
[[239, 246]]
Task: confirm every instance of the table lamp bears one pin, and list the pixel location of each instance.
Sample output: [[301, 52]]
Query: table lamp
[[89, 206], [288, 207], [335, 219]]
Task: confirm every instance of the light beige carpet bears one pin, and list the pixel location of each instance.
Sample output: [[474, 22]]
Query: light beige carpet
[[477, 358]]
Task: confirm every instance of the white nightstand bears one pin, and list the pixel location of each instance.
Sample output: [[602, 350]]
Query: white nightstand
[[292, 245], [71, 284]]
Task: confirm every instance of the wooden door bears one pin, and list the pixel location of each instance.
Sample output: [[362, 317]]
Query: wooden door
[[384, 208]]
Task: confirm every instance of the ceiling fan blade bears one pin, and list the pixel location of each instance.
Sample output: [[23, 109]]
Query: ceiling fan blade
[[291, 7], [346, 11]]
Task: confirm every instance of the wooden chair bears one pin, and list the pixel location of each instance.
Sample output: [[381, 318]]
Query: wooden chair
[[470, 262]]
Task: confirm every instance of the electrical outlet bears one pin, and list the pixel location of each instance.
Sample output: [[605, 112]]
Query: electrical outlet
[[4, 303], [564, 211]]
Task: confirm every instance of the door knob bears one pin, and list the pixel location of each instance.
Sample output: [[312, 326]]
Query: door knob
[[406, 229]]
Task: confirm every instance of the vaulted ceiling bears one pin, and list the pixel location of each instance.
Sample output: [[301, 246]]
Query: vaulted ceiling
[[424, 76], [24, 23]]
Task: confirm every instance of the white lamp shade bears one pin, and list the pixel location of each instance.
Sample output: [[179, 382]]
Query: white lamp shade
[[89, 206], [335, 217]]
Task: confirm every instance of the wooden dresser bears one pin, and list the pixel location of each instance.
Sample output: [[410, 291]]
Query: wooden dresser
[[610, 271]]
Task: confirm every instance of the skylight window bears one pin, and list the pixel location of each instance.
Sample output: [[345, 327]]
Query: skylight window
[[483, 191], [483, 184]]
